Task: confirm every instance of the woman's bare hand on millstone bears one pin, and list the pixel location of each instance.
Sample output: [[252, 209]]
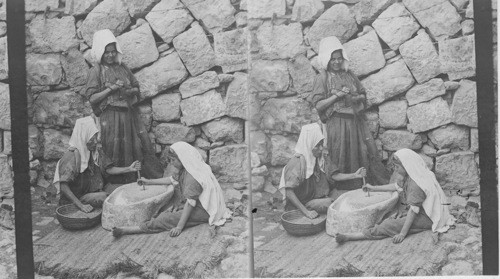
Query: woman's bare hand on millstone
[[136, 166], [361, 172]]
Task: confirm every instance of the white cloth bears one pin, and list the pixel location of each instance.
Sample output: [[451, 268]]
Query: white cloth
[[310, 136], [435, 202], [85, 128], [101, 39], [326, 47], [212, 198]]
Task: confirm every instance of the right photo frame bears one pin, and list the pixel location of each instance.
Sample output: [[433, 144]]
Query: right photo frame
[[364, 139]]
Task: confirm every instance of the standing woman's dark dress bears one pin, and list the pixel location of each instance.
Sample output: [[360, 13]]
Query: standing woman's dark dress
[[350, 144], [123, 135]]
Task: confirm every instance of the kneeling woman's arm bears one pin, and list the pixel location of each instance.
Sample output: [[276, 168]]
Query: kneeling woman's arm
[[290, 195], [410, 217], [360, 173], [186, 212], [381, 188]]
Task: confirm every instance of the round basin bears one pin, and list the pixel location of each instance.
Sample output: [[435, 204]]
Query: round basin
[[355, 210], [130, 204]]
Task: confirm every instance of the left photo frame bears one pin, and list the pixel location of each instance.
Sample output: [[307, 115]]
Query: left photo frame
[[137, 157]]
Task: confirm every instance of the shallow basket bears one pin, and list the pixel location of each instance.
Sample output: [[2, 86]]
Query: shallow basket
[[77, 223], [298, 229]]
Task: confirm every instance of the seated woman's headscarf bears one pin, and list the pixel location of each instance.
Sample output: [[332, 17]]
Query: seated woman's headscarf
[[326, 47], [85, 128], [101, 39], [435, 201], [310, 136], [212, 198]]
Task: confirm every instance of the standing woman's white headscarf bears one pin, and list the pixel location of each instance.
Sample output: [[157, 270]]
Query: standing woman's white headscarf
[[212, 198], [101, 39], [326, 47], [434, 203], [85, 128], [310, 136]]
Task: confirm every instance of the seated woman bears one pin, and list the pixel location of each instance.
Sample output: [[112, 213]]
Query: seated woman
[[419, 190], [80, 172], [204, 200], [304, 179]]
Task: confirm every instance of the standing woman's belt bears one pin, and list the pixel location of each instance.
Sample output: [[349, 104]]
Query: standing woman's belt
[[114, 108]]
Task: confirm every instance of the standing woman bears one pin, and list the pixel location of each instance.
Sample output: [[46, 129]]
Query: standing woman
[[113, 91], [340, 100]]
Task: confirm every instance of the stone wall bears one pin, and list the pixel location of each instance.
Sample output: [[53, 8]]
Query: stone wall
[[192, 76], [415, 58]]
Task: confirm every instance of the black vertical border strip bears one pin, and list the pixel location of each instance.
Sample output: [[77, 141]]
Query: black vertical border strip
[[486, 125], [19, 128]]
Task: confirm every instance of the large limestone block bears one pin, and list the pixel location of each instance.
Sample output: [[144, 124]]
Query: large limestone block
[[163, 74], [60, 108], [55, 144], [7, 143], [224, 129], [457, 171], [79, 7], [439, 16], [166, 107], [266, 8], [215, 14], [421, 57], [199, 84], [230, 163], [4, 107], [195, 50], [450, 136], [394, 140], [138, 46], [286, 115], [307, 10], [282, 150], [428, 115], [302, 74], [109, 14], [40, 6], [43, 69], [395, 25], [170, 133], [365, 11], [392, 114], [75, 68], [261, 144], [237, 96], [266, 76], [460, 4], [392, 80], [168, 19], [365, 54], [202, 108], [4, 58], [458, 57], [464, 106], [52, 35], [337, 21], [139, 8], [426, 91], [6, 179], [280, 41], [231, 49]]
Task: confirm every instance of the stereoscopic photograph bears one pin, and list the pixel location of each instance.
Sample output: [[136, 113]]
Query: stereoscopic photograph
[[247, 138]]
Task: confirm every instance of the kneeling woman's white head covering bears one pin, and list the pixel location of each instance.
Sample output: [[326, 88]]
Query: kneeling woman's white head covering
[[310, 136], [212, 198], [101, 39], [435, 201], [85, 128], [326, 47]]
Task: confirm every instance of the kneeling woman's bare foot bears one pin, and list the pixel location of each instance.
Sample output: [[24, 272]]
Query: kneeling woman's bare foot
[[340, 238], [117, 232]]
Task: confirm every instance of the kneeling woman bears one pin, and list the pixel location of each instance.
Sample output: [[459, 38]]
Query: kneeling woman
[[421, 193], [304, 179], [80, 173], [204, 200]]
